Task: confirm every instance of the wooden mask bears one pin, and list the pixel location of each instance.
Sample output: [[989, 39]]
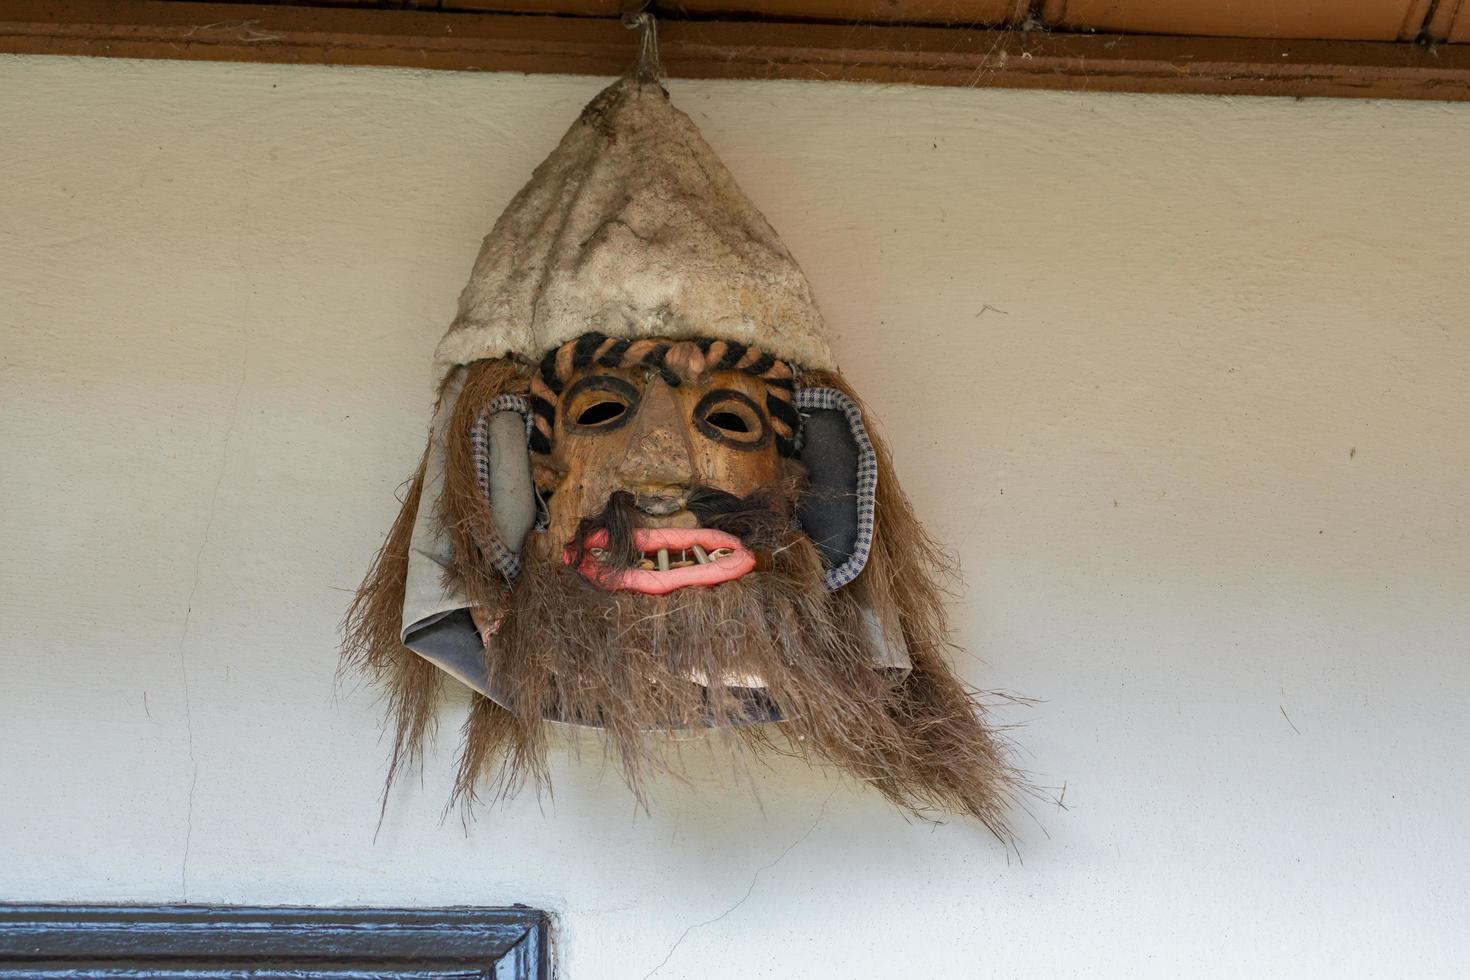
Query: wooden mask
[[677, 518], [665, 444]]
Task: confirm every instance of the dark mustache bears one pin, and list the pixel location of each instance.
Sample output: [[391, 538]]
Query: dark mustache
[[759, 519], [617, 517]]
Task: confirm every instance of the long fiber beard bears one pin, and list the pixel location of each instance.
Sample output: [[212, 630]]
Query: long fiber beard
[[923, 741], [636, 665]]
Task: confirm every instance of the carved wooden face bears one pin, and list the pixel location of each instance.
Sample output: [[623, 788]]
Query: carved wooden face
[[662, 436]]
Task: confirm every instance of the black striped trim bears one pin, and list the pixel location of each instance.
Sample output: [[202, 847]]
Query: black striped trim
[[614, 355], [762, 364], [782, 409], [548, 372], [734, 351], [587, 345]]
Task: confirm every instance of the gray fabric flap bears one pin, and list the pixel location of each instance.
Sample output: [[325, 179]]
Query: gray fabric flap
[[843, 471], [891, 652], [429, 549], [450, 642], [828, 506], [512, 493]]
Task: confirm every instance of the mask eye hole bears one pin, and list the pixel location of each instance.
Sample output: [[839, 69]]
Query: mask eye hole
[[598, 403], [731, 418], [727, 421], [599, 413]]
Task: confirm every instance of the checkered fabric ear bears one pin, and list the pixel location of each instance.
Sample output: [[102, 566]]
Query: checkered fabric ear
[[867, 479], [506, 561]]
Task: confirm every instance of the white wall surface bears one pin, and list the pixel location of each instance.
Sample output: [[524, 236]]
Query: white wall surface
[[1185, 383]]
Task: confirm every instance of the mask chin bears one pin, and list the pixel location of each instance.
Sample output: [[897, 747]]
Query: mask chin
[[836, 509]]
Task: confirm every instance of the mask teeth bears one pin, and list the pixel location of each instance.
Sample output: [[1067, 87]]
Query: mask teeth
[[663, 561]]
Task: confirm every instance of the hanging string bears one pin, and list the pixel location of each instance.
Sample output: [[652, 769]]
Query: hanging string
[[649, 68]]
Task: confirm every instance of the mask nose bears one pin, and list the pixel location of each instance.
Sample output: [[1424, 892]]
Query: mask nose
[[659, 504], [658, 466]]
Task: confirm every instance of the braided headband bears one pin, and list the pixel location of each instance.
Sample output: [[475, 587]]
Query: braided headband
[[600, 349]]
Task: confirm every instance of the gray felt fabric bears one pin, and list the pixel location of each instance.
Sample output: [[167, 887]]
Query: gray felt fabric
[[503, 472], [429, 549], [828, 508], [892, 653], [632, 227], [512, 493], [838, 459], [450, 642], [436, 621]]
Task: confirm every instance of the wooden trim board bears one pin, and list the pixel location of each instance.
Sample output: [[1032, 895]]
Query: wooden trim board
[[471, 41]]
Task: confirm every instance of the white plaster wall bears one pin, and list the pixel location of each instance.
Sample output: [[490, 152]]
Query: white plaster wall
[[1184, 381]]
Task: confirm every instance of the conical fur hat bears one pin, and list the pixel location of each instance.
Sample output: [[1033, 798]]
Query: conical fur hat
[[633, 228]]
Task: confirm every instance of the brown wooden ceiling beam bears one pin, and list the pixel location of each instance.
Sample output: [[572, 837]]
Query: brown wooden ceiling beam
[[722, 49]]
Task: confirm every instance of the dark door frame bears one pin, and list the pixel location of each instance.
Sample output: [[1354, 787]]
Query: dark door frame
[[50, 942]]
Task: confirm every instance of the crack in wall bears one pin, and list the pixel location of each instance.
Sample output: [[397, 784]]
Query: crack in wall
[[188, 618], [748, 891]]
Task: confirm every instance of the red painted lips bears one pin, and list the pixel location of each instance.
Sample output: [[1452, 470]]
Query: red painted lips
[[672, 558]]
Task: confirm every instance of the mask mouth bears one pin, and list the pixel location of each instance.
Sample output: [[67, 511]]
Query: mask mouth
[[669, 559]]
